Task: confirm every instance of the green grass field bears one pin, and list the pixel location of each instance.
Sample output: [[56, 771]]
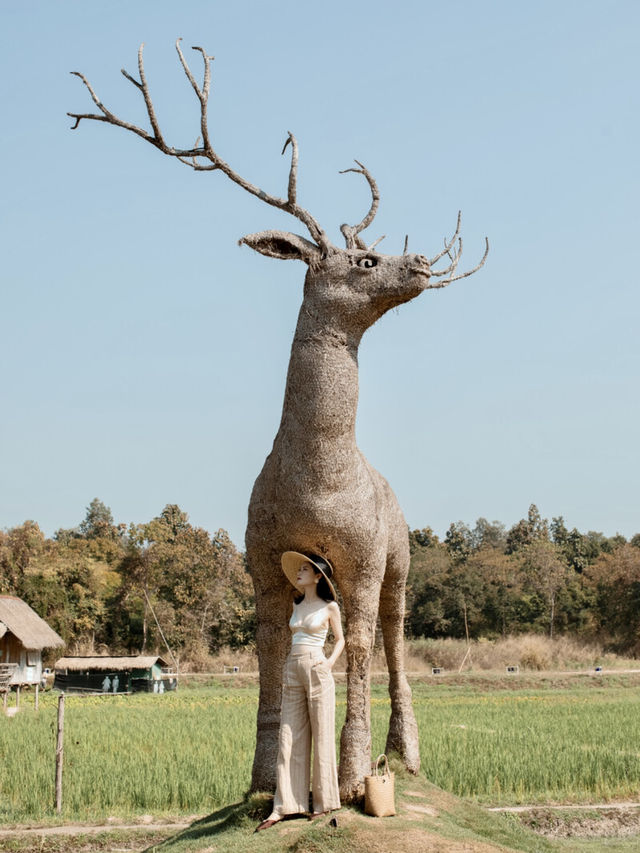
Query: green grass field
[[191, 752]]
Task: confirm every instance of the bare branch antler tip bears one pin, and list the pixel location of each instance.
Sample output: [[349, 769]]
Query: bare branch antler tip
[[290, 139], [361, 171], [375, 243], [351, 234], [128, 77], [204, 53]]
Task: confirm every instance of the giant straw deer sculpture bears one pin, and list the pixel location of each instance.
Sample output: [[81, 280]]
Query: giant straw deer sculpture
[[316, 492]]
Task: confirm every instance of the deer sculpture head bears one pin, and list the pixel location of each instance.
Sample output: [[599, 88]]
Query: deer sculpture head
[[353, 287], [349, 288]]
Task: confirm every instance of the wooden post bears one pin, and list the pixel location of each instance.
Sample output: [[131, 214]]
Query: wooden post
[[5, 699], [18, 697], [59, 753], [37, 696]]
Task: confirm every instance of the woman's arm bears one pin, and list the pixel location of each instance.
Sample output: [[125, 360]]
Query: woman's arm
[[336, 627]]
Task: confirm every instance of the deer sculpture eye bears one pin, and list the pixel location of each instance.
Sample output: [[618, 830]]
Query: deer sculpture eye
[[367, 263]]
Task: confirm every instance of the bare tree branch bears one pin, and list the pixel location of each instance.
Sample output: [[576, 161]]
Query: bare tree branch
[[194, 157], [448, 245], [375, 242], [454, 258], [203, 158], [202, 94], [107, 115], [126, 74], [350, 232], [187, 70], [147, 98], [444, 282], [293, 172]]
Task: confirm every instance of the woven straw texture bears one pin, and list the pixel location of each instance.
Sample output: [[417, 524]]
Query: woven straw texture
[[379, 794]]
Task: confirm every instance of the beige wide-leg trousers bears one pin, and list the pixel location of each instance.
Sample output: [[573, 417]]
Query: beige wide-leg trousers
[[308, 711]]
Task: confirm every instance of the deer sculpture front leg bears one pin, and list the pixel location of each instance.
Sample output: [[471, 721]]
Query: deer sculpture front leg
[[273, 604], [361, 612]]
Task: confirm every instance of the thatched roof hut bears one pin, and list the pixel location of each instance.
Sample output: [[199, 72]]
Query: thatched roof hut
[[23, 635], [119, 663], [120, 674], [25, 624]]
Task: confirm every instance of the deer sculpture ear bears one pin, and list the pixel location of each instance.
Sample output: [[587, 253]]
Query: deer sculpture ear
[[280, 244]]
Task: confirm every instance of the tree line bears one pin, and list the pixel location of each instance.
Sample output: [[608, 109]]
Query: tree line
[[538, 576], [134, 588], [125, 589]]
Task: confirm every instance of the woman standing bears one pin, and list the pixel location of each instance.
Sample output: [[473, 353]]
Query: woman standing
[[308, 694]]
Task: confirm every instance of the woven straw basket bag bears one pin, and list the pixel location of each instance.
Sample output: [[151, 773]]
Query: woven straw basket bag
[[379, 799]]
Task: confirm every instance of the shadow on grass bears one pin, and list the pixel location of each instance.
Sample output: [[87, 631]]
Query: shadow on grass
[[244, 815], [224, 819]]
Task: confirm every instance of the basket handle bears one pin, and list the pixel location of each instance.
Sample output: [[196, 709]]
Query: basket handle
[[385, 772]]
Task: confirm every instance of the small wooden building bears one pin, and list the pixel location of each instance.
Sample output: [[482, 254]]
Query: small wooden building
[[23, 636], [122, 674]]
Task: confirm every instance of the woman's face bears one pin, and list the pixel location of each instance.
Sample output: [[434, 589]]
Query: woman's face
[[307, 577]]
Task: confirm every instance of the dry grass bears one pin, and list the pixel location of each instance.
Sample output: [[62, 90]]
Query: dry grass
[[245, 659], [530, 652]]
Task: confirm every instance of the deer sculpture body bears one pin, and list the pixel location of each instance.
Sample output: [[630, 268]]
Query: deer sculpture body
[[316, 492]]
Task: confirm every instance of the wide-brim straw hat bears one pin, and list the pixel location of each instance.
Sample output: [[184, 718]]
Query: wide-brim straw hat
[[293, 560]]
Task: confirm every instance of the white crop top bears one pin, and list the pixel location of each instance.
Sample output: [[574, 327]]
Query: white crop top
[[309, 629]]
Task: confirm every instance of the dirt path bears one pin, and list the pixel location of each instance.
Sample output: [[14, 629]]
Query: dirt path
[[151, 826], [91, 829], [572, 807]]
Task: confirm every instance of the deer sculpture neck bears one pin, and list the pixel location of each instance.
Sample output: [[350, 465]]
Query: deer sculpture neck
[[345, 292], [321, 394]]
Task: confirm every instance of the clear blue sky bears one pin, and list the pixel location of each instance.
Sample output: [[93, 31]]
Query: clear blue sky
[[144, 353]]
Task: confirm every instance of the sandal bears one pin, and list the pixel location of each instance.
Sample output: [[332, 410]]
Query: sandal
[[265, 825]]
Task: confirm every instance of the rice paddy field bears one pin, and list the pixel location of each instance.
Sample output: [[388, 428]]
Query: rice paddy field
[[190, 752]]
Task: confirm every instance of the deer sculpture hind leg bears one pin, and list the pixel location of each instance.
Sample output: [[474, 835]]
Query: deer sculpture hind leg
[[403, 729]]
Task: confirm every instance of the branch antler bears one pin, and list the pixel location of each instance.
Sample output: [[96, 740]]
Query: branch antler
[[203, 158], [453, 250], [351, 232]]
